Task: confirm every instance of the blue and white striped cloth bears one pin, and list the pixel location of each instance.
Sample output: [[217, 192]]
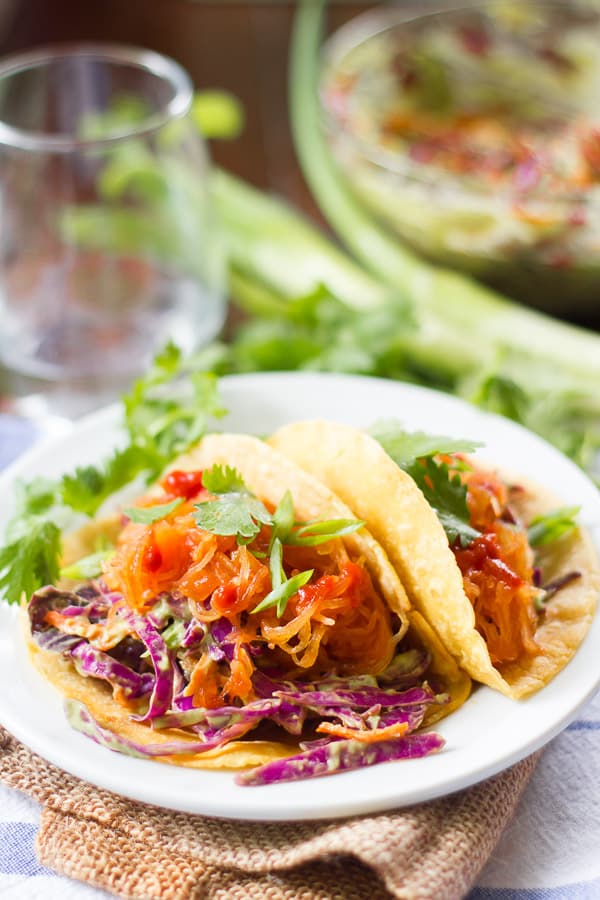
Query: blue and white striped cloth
[[550, 851]]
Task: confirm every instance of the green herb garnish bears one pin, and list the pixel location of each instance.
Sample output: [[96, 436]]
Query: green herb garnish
[[446, 493], [236, 511], [278, 575], [31, 561], [164, 416], [406, 447], [552, 525], [33, 498], [149, 514], [280, 595], [86, 490], [224, 480], [313, 533], [416, 452], [283, 519]]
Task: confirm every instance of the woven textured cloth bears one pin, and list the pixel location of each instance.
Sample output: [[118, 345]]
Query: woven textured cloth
[[434, 850]]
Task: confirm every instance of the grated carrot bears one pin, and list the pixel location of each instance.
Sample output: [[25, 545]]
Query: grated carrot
[[368, 736]]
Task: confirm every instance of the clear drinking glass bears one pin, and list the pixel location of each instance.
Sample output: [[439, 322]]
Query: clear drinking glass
[[107, 247]]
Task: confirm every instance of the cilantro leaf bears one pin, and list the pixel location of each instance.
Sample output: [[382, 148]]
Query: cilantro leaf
[[87, 489], [502, 395], [236, 511], [165, 366], [280, 595], [440, 482], [224, 480], [446, 493], [84, 491], [552, 525], [30, 556], [146, 515], [405, 447], [36, 496], [457, 528], [33, 499], [31, 561], [239, 514], [169, 409]]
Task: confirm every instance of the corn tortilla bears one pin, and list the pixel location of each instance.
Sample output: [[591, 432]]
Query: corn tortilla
[[269, 475], [359, 471]]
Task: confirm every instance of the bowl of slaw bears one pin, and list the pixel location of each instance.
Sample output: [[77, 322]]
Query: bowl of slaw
[[473, 132]]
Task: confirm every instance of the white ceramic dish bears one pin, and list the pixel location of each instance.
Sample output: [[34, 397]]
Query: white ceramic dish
[[485, 736]]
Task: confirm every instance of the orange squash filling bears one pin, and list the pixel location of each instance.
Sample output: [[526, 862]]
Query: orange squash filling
[[336, 622], [498, 572]]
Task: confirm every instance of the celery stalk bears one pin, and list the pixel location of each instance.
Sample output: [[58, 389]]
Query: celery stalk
[[265, 237], [272, 249]]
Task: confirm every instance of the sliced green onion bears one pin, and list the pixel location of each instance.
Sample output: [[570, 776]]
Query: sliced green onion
[[279, 596], [552, 525], [311, 534]]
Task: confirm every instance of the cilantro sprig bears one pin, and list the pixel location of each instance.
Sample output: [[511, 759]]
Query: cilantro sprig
[[30, 561], [89, 486], [406, 447], [169, 409], [446, 493], [166, 412], [416, 453], [280, 595], [236, 511]]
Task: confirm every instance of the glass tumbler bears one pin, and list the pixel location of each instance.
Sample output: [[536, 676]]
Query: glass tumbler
[[107, 245]]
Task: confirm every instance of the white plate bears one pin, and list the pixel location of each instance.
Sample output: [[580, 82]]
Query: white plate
[[485, 736]]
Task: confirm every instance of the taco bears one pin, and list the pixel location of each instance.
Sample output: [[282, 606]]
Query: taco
[[510, 616], [244, 618]]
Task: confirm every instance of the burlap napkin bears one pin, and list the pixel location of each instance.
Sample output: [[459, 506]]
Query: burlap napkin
[[430, 851]]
